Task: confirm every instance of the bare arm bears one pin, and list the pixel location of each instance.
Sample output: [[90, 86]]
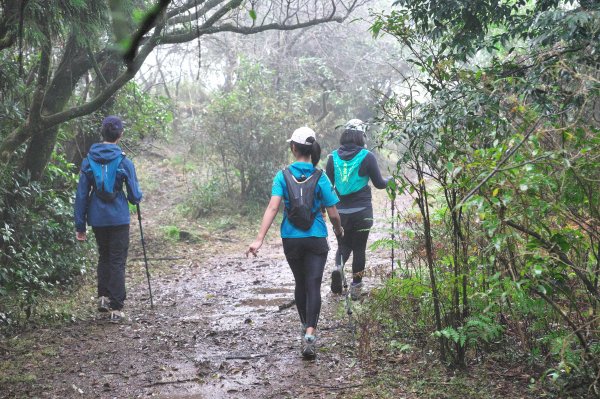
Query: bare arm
[[267, 220]]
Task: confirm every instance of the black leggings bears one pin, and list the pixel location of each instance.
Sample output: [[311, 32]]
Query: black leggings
[[307, 257], [356, 232]]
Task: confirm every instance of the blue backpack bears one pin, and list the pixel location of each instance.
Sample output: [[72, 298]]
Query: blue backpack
[[105, 177]]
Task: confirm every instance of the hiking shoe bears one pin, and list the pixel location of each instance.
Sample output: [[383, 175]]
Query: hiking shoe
[[116, 316], [309, 346], [336, 280], [103, 304], [355, 291]]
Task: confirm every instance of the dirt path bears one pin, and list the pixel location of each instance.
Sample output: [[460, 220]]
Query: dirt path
[[217, 331]]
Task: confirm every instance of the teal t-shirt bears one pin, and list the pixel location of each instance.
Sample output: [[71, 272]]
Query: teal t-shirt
[[324, 196]]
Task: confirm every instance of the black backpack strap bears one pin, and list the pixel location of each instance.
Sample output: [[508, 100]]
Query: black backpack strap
[[289, 180], [317, 174]]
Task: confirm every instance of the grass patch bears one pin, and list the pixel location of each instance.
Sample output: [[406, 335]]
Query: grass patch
[[26, 378], [49, 352], [53, 309]]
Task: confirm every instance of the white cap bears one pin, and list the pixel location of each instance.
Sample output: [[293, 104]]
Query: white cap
[[355, 124], [302, 134]]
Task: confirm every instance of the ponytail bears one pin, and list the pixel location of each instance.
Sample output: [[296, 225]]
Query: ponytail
[[315, 151]]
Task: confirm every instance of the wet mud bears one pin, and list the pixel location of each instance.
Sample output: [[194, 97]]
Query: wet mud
[[224, 327]]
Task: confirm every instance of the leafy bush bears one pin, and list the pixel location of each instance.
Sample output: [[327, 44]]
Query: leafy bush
[[208, 197], [248, 127], [38, 250], [500, 157], [146, 116]]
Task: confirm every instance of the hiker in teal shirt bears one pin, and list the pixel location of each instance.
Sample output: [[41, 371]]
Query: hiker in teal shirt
[[324, 193], [305, 248]]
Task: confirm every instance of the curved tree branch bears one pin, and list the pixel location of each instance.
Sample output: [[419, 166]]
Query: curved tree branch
[[147, 24], [188, 36], [221, 16]]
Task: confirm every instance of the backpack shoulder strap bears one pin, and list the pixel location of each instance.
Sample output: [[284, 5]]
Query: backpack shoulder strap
[[290, 183], [317, 174]]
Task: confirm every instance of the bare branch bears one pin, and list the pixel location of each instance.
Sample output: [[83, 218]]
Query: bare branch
[[176, 19], [185, 37]]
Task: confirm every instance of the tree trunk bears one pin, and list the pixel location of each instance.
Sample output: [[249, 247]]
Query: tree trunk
[[71, 68], [424, 208]]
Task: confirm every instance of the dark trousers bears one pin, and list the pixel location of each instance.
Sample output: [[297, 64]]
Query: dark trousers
[[307, 257], [113, 244], [356, 233]]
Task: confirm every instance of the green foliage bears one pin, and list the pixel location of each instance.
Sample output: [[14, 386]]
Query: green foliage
[[247, 128], [206, 198], [11, 91], [498, 157], [476, 328], [146, 116], [172, 232], [38, 251]]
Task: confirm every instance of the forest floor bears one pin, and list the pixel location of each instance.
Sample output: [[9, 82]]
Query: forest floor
[[223, 326]]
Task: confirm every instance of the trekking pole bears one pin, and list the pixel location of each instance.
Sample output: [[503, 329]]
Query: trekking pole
[[145, 257], [347, 299], [393, 235], [391, 191]]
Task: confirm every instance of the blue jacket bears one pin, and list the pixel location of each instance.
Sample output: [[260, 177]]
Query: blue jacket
[[91, 209]]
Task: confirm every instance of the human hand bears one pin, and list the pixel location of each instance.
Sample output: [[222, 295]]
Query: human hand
[[253, 248], [81, 236], [339, 234]]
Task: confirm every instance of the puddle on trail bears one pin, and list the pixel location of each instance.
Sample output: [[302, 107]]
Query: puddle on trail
[[246, 347]]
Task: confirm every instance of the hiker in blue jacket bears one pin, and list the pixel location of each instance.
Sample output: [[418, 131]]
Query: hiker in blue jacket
[[350, 168], [101, 202], [305, 239]]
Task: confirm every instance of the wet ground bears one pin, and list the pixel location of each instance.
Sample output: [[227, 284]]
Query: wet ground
[[223, 327]]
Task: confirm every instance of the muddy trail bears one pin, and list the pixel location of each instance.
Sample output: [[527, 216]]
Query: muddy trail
[[223, 326]]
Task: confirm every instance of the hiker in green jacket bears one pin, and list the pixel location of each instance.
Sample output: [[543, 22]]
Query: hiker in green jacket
[[350, 168]]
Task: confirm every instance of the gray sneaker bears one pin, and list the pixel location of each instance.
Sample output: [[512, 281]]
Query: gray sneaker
[[103, 304], [336, 280], [355, 291], [309, 347], [116, 316]]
